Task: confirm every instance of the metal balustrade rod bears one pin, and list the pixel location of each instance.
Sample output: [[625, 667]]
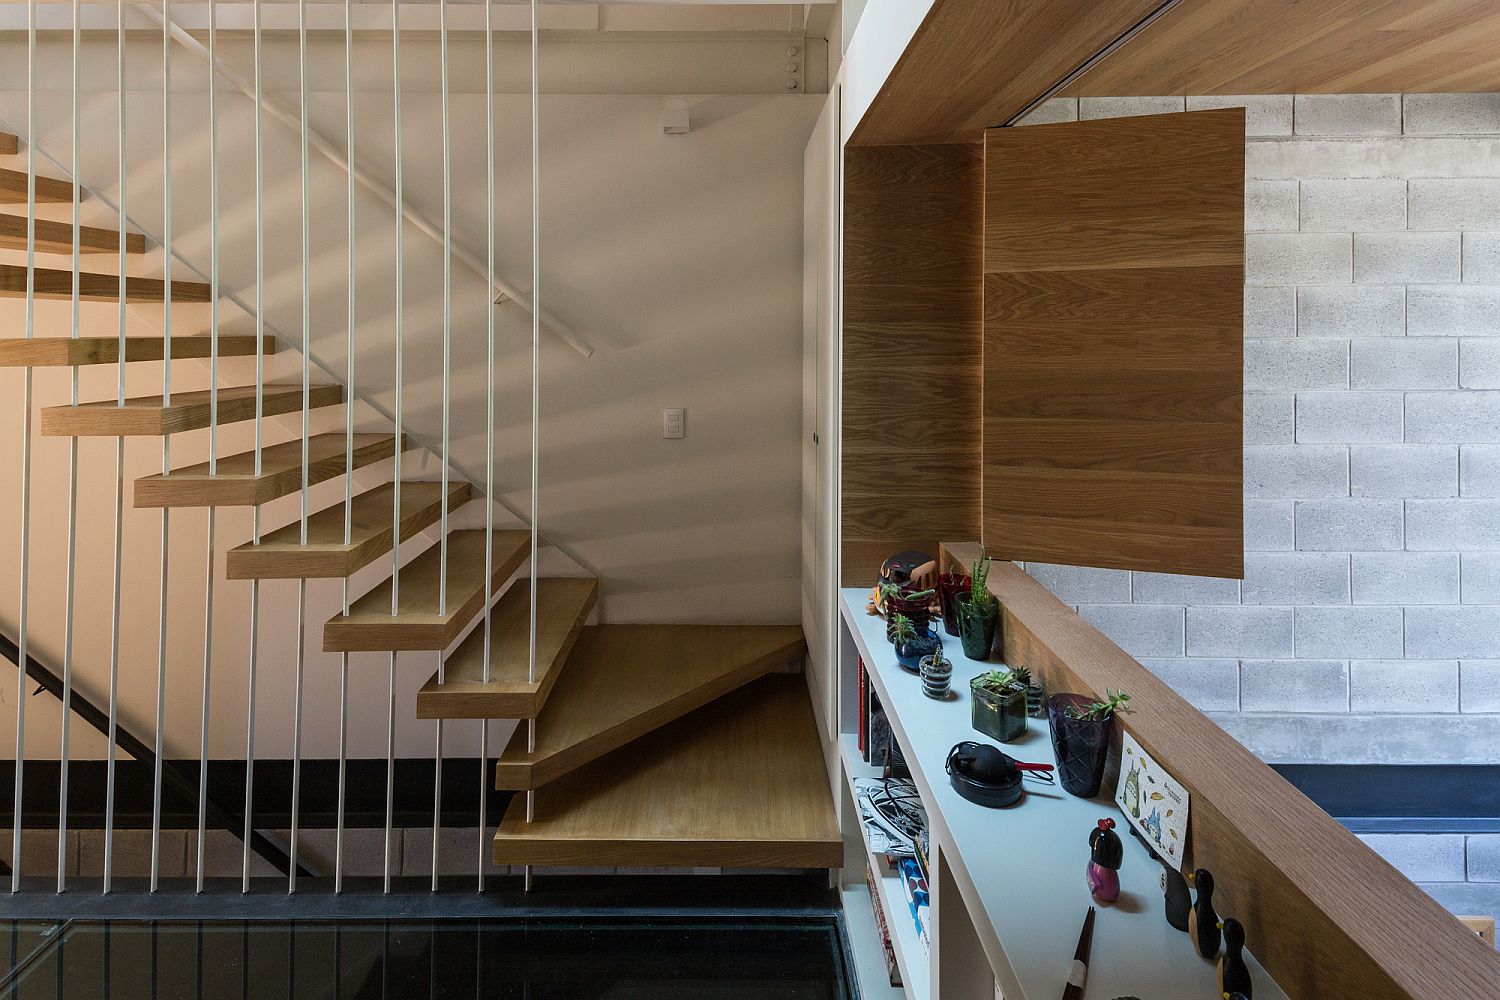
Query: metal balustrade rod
[[338, 843], [390, 770], [25, 483], [166, 442], [400, 306], [213, 432], [70, 594], [437, 777], [338, 837], [376, 187], [536, 367], [114, 639], [291, 886], [437, 788], [489, 418]]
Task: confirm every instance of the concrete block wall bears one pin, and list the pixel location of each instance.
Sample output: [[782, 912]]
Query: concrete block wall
[[1372, 441]]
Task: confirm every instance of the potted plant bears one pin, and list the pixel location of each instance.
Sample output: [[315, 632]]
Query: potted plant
[[911, 644], [1081, 729], [978, 612], [1000, 703], [915, 605], [950, 585], [937, 674]]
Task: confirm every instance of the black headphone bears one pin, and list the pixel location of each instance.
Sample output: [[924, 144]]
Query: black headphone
[[984, 775]]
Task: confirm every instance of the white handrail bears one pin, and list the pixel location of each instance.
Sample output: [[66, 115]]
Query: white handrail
[[413, 217]]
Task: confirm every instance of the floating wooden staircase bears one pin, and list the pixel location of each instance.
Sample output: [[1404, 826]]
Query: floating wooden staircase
[[49, 190], [68, 352], [57, 284], [282, 555], [9, 144], [57, 237], [187, 411], [237, 484]]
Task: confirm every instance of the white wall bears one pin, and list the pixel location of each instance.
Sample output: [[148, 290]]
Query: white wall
[[678, 256]]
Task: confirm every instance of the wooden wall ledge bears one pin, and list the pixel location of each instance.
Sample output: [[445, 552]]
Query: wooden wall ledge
[[1325, 915]]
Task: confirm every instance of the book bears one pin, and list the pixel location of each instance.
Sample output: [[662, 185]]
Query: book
[[880, 734], [914, 888], [893, 971], [864, 709]]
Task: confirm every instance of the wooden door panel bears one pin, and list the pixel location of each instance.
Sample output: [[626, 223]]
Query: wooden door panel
[[1113, 351]]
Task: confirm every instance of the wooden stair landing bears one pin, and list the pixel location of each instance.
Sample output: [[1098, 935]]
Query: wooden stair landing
[[146, 416], [65, 352], [9, 144], [57, 237], [57, 283], [282, 556], [49, 190], [237, 485], [563, 604], [623, 681], [370, 627], [740, 783]]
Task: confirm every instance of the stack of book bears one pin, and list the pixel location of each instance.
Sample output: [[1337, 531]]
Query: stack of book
[[892, 971]]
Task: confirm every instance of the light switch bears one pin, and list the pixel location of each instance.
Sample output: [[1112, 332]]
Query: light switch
[[673, 423]]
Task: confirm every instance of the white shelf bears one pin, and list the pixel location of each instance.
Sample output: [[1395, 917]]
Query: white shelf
[[1020, 871], [864, 942], [916, 973]]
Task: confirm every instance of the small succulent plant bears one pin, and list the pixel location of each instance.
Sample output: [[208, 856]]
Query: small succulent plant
[[1113, 704], [1005, 679], [979, 581], [902, 629]]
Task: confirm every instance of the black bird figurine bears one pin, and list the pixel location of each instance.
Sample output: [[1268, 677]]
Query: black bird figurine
[[1234, 975], [1203, 928]]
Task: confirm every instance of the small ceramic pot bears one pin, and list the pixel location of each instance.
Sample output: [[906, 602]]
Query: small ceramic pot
[[1036, 701], [936, 678], [976, 627], [1000, 715], [910, 652], [1081, 745]]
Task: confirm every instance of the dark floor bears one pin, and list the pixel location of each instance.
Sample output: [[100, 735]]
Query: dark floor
[[536, 959]]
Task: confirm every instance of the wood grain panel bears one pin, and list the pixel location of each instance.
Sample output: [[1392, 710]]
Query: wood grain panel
[[1325, 915], [281, 555], [9, 144], [148, 416], [912, 337], [49, 190], [974, 64], [57, 237], [562, 606], [235, 482], [1290, 46], [738, 783], [1113, 352], [57, 284], [65, 352], [623, 681]]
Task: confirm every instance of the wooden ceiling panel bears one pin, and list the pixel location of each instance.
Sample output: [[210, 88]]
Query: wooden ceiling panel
[[1293, 46]]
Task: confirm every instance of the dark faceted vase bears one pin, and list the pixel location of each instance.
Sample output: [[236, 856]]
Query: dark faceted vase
[[1000, 715], [1081, 745], [976, 627], [919, 611], [950, 585], [911, 652]]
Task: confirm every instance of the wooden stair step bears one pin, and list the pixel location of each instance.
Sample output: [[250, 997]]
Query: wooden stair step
[[237, 485], [9, 144], [740, 783], [64, 352], [282, 556], [624, 681], [145, 415], [370, 627], [57, 237], [49, 190], [563, 605], [57, 283]]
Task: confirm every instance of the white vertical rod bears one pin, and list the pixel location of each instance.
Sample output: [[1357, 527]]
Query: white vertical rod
[[400, 324], [536, 368], [72, 569], [437, 788], [306, 410], [484, 798], [390, 770], [114, 638], [489, 421], [338, 844], [213, 422], [166, 441], [25, 592], [437, 763]]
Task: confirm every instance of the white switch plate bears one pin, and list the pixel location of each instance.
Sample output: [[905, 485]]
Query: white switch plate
[[673, 423]]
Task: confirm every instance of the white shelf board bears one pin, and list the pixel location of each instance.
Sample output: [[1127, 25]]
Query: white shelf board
[[1021, 870], [864, 942], [916, 973]]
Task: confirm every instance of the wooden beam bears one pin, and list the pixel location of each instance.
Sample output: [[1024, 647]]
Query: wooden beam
[[975, 64], [57, 237], [57, 284], [235, 483], [9, 144], [49, 190], [1325, 915], [148, 416], [65, 352]]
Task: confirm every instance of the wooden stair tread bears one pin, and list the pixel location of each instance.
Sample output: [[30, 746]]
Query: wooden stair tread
[[370, 627], [57, 237], [145, 415], [237, 485], [63, 352], [49, 190], [282, 556], [623, 681], [9, 144], [57, 283], [563, 604], [740, 783]]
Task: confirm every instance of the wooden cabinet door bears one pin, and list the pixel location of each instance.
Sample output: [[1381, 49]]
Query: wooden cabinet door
[[1113, 350]]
